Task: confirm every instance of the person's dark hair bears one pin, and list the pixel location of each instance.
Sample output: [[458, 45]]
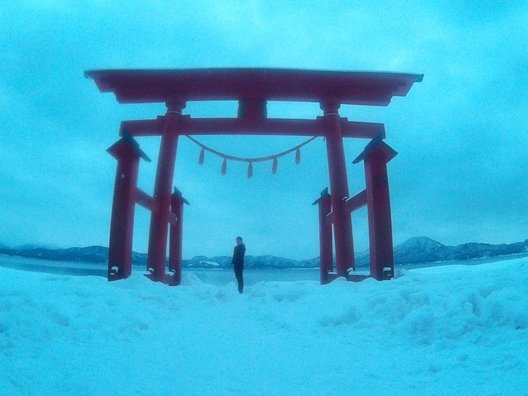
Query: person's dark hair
[[239, 237]]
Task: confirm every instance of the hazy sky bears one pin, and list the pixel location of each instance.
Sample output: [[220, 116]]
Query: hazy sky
[[461, 134]]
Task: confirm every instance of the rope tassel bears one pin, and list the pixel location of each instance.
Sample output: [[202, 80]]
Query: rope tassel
[[298, 156], [202, 156], [224, 167], [275, 166], [250, 170]]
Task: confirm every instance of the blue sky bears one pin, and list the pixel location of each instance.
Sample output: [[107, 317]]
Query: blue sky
[[461, 134]]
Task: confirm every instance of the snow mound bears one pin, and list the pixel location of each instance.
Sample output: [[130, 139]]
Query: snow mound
[[445, 330]]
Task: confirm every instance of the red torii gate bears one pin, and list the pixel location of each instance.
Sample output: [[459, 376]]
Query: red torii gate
[[252, 88]]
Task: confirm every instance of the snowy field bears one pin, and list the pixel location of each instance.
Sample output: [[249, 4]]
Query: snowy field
[[453, 330]]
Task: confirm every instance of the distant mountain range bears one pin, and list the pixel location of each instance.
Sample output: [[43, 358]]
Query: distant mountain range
[[414, 250], [426, 250]]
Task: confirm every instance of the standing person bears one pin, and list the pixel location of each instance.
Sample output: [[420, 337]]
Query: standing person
[[238, 263]]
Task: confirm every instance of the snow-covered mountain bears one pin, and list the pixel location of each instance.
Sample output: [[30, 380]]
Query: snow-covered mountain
[[414, 250], [263, 262], [423, 249], [91, 254], [420, 249], [99, 254]]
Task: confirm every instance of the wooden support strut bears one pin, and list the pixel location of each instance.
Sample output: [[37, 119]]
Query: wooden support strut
[[146, 201], [149, 203], [357, 201]]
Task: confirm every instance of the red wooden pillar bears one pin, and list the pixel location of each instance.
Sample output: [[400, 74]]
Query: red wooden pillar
[[325, 236], [175, 236], [162, 193], [127, 153], [376, 155], [344, 246]]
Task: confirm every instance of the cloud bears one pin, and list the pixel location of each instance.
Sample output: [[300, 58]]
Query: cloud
[[460, 134]]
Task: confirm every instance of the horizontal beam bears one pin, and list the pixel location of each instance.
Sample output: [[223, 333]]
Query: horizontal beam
[[357, 201], [235, 126], [142, 127], [141, 86], [145, 200], [359, 129], [265, 126], [150, 203]]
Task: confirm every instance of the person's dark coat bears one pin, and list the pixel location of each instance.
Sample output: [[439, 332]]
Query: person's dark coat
[[238, 256], [238, 265]]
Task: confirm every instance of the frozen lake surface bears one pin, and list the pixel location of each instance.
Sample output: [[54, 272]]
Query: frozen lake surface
[[217, 277]]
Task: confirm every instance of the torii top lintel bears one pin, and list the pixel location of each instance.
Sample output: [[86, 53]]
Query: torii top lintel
[[358, 88]]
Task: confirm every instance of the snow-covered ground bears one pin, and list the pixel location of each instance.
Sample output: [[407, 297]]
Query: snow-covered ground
[[453, 330]]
